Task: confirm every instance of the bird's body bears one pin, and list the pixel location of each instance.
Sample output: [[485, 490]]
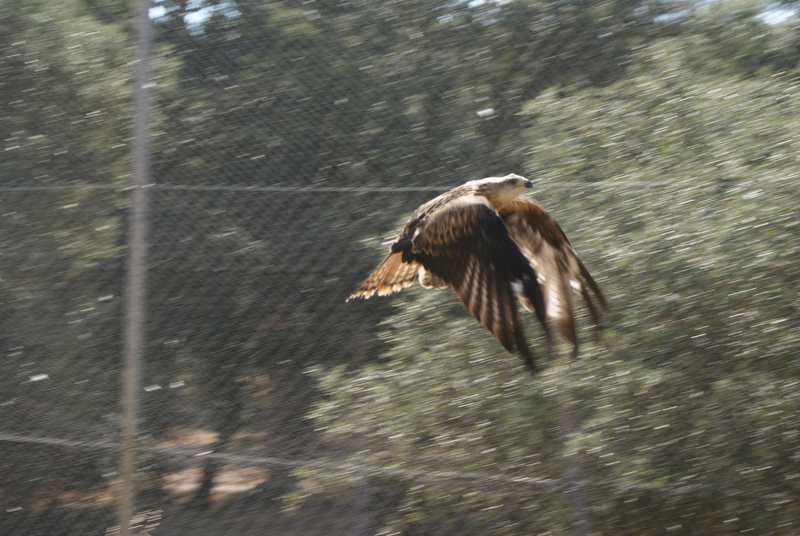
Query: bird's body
[[489, 246]]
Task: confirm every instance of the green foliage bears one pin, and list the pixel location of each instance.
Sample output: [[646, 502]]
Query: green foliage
[[341, 95], [665, 146], [65, 111], [731, 39], [65, 107], [74, 80], [675, 186]]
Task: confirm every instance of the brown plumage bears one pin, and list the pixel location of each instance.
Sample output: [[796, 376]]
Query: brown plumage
[[489, 246]]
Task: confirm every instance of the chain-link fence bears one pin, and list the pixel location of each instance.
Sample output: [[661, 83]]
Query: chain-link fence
[[176, 249]]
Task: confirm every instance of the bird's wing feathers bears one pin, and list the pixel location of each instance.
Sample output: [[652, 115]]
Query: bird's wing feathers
[[451, 224], [488, 256], [390, 276], [466, 245], [397, 271], [557, 265]]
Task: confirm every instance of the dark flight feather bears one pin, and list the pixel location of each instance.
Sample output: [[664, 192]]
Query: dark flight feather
[[560, 270]]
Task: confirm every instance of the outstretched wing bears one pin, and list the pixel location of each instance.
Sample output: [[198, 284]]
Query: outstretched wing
[[557, 265], [465, 244], [397, 272]]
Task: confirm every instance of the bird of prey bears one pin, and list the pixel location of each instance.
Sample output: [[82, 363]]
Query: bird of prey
[[489, 246]]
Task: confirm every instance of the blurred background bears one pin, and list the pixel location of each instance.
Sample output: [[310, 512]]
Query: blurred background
[[288, 142]]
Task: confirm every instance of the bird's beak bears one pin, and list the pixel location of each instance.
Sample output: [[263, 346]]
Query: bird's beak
[[528, 184]]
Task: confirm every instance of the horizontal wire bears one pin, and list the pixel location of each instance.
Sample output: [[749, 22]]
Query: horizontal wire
[[691, 489], [369, 189]]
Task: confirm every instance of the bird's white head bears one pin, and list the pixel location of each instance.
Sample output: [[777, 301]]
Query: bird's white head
[[500, 190]]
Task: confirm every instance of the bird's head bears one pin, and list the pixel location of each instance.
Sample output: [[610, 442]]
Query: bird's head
[[501, 190]]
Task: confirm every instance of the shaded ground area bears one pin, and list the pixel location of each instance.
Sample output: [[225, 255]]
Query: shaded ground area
[[239, 514], [245, 498]]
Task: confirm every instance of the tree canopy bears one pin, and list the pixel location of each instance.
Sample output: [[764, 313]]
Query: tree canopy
[[289, 140]]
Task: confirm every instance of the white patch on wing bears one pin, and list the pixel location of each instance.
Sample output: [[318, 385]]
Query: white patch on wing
[[519, 291], [553, 302], [551, 282], [516, 287]]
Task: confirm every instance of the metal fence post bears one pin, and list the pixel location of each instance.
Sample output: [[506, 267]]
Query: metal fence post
[[136, 239]]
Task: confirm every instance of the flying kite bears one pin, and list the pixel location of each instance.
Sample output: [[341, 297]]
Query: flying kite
[[489, 246]]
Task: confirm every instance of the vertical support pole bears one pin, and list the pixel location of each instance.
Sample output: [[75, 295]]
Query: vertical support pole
[[580, 523], [136, 239]]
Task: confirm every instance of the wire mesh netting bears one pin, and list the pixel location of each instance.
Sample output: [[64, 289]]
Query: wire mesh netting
[[286, 144]]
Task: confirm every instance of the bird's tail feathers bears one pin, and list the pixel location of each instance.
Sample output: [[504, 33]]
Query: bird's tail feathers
[[391, 275]]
